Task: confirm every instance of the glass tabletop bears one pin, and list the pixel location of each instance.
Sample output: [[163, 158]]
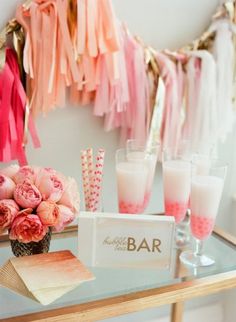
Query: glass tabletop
[[112, 282]]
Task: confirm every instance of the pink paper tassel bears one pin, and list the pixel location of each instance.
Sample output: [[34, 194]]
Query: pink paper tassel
[[12, 113]]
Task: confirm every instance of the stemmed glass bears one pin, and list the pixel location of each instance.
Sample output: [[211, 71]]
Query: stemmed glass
[[206, 192], [176, 181]]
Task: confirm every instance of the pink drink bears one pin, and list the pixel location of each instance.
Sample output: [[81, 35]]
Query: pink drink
[[150, 162], [131, 185], [201, 227], [176, 180], [204, 203], [130, 208], [146, 198], [176, 209]]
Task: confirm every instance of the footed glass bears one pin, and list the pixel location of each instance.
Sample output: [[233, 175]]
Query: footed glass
[[206, 192]]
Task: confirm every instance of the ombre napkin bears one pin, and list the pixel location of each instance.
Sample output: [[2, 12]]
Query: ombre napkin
[[44, 277]]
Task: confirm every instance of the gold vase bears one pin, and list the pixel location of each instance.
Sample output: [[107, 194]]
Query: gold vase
[[32, 248]]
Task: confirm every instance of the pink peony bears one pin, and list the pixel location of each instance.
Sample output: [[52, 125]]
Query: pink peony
[[10, 171], [48, 212], [27, 228], [66, 216], [7, 187], [70, 197], [8, 211], [27, 195], [26, 211], [46, 171], [25, 173], [50, 184]]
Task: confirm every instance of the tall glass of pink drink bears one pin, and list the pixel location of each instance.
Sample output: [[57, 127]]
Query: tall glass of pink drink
[[176, 181], [137, 152], [176, 185], [206, 192], [131, 179]]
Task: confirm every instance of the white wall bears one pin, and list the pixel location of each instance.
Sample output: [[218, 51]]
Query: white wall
[[64, 132]]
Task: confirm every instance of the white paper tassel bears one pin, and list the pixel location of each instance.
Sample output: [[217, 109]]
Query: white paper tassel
[[202, 115], [173, 81], [223, 52]]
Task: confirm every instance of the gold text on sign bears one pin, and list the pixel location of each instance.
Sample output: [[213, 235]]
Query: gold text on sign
[[132, 245]]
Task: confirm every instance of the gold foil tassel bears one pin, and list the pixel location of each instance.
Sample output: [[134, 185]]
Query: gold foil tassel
[[157, 116], [2, 48]]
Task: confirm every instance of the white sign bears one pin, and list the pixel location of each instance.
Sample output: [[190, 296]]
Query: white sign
[[120, 240]]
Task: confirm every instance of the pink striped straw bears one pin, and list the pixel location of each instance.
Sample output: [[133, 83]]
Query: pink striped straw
[[91, 175], [97, 186], [85, 178]]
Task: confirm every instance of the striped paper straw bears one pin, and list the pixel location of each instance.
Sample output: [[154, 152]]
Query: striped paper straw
[[97, 187], [85, 178], [91, 175]]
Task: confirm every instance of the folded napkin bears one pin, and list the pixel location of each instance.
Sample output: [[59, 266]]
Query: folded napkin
[[44, 277]]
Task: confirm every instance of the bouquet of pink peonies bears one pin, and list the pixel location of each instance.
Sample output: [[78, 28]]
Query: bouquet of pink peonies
[[34, 200]]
